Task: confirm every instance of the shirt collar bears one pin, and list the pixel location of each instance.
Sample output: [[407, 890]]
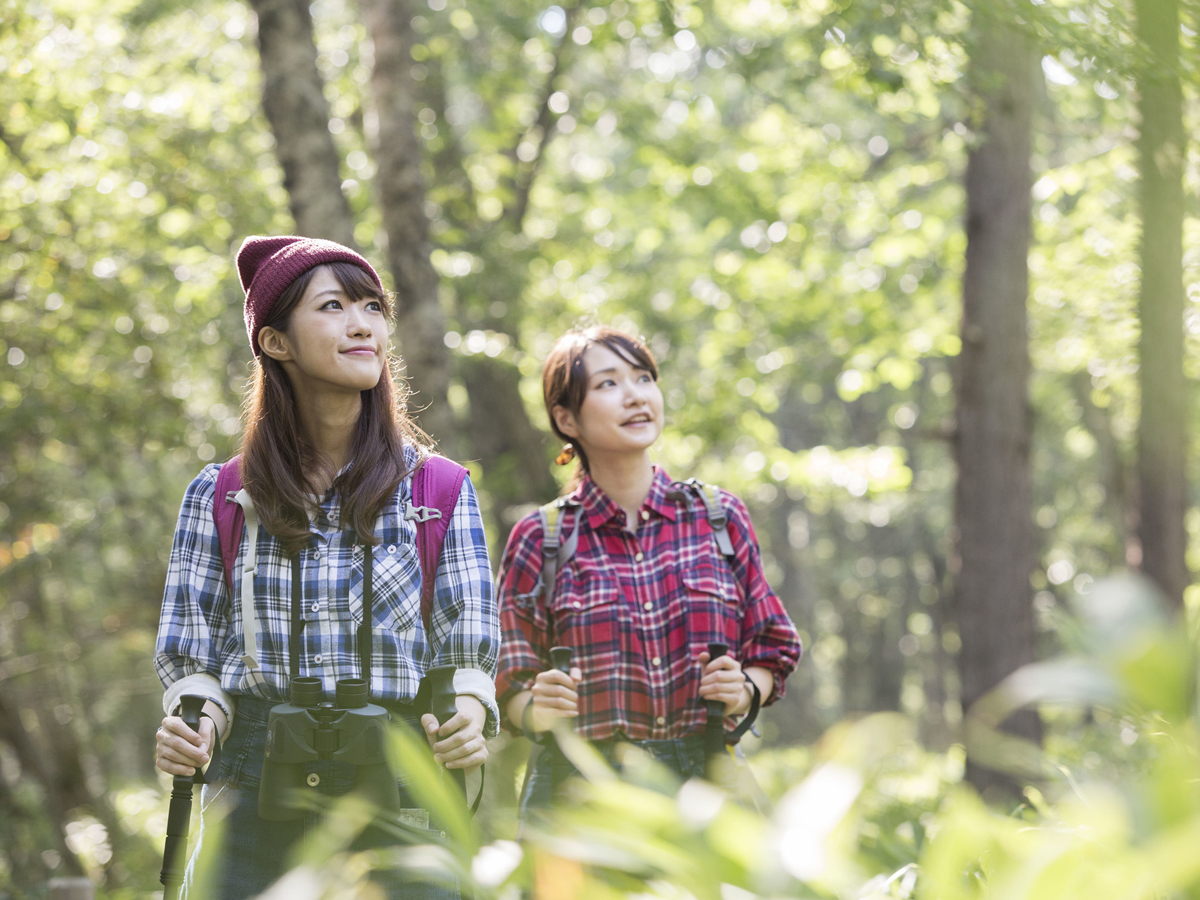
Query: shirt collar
[[601, 508]]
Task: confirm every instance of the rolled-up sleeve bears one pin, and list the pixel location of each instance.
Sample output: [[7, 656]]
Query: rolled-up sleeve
[[769, 638], [525, 650]]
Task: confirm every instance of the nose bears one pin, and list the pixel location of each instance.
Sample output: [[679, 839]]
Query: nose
[[358, 323]]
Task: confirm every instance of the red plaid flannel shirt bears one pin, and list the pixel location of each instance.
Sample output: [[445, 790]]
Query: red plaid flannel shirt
[[638, 609]]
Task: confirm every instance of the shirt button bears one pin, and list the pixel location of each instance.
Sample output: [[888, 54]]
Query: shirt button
[[316, 607], [639, 556], [648, 605], [657, 661], [316, 554], [313, 779], [391, 548], [577, 605], [661, 720], [317, 658], [645, 515]]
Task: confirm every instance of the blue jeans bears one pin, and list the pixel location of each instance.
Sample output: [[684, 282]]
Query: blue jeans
[[254, 852], [547, 774]]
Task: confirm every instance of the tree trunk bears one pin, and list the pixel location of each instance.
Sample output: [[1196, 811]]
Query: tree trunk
[[1162, 148], [992, 496], [296, 108], [420, 322]]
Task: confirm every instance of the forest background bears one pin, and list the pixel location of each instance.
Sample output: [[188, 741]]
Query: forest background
[[890, 255]]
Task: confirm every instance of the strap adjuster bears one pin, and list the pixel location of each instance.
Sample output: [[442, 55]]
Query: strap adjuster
[[420, 513]]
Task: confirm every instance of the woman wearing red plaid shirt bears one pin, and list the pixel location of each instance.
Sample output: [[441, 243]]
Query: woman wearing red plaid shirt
[[645, 591]]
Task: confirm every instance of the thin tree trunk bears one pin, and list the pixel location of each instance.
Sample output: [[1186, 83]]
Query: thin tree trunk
[[420, 322], [992, 496], [296, 108], [1161, 429]]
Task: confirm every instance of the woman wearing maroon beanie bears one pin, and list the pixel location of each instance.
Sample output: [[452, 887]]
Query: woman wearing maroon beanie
[[326, 470]]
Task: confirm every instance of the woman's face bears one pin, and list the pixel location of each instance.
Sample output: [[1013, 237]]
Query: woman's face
[[332, 343], [622, 410]]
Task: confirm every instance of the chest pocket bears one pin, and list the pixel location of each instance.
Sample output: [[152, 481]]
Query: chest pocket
[[396, 576], [587, 611], [713, 603]]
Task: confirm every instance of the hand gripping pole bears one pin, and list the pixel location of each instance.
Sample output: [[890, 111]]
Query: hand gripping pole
[[714, 724], [179, 814], [443, 707]]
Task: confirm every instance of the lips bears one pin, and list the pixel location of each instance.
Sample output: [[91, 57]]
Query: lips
[[640, 419], [360, 350]]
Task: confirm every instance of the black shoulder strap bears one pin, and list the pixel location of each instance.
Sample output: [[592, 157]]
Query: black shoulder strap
[[556, 552]]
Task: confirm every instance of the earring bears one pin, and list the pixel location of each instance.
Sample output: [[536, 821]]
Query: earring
[[565, 455]]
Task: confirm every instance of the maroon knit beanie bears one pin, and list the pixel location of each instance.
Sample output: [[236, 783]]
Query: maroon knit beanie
[[267, 265]]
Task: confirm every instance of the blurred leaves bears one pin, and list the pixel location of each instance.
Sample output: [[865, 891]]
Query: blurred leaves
[[769, 192]]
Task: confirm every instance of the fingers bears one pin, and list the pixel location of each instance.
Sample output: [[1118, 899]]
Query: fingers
[[554, 693], [458, 743], [725, 662], [179, 749]]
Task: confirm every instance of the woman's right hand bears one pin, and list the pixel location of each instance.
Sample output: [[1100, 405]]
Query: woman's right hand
[[180, 749], [554, 697]]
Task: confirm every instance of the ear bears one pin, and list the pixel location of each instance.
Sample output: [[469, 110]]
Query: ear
[[564, 419], [274, 343]]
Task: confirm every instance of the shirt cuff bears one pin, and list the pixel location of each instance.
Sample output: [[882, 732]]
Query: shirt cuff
[[478, 684], [200, 685]]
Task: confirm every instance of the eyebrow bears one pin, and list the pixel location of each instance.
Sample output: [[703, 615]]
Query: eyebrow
[[611, 369]]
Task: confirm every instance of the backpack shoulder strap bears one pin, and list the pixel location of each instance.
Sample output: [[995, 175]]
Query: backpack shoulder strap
[[228, 515], [233, 508], [436, 486], [556, 552], [714, 511]]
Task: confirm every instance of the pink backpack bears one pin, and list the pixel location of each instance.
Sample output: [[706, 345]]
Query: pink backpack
[[437, 482]]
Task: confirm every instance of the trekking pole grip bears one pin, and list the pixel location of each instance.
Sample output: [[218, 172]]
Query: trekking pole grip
[[179, 813], [715, 708], [444, 709]]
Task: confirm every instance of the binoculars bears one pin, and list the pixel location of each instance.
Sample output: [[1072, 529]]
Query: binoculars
[[308, 729]]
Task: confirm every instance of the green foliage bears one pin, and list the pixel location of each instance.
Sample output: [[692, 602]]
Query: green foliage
[[868, 813], [768, 191]]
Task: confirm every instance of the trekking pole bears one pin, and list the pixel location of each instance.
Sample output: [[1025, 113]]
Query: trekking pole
[[443, 707], [714, 724], [560, 658], [179, 815]]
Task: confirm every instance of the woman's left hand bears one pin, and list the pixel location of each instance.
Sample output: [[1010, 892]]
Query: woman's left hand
[[459, 743], [723, 680]]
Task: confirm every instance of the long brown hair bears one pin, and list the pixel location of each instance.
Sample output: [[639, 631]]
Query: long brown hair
[[278, 460], [564, 376]]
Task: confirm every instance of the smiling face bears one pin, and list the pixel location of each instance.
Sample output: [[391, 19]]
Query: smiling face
[[622, 409], [332, 342]]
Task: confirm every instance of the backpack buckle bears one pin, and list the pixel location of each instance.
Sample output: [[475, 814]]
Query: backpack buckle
[[420, 513]]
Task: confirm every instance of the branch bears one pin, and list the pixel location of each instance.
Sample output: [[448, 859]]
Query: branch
[[541, 130]]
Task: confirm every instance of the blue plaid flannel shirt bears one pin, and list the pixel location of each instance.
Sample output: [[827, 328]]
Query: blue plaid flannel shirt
[[200, 629]]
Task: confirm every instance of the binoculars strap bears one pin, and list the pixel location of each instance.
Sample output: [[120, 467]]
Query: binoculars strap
[[368, 615], [297, 622]]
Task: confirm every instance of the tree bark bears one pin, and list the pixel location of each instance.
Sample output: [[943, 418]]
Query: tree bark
[[296, 108], [420, 321], [1162, 481], [992, 496]]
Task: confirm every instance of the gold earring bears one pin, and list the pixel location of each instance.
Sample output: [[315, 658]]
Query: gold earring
[[565, 455]]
